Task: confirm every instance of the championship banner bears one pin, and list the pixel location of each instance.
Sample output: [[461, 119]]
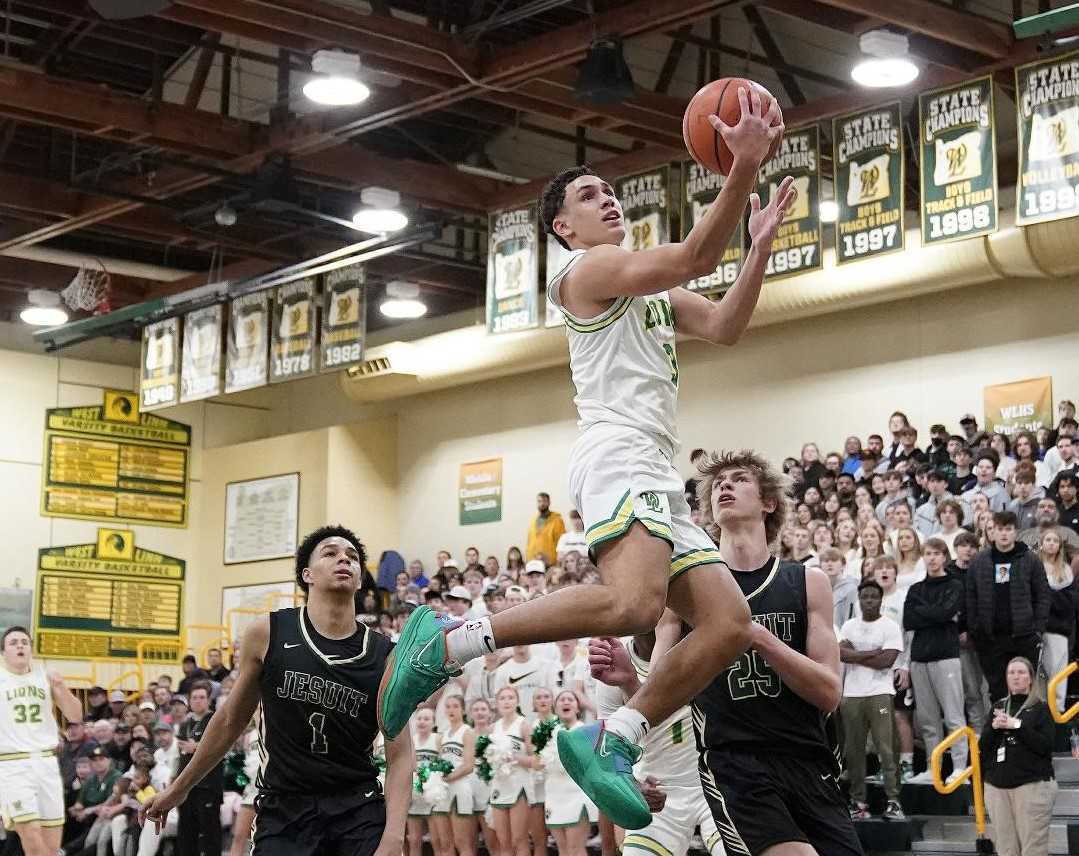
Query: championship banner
[[248, 342], [292, 341], [200, 368], [513, 270], [956, 127], [160, 373], [344, 318], [1047, 102], [114, 462], [868, 167], [479, 492], [103, 599], [1024, 405], [797, 247], [645, 208], [700, 187], [557, 257]]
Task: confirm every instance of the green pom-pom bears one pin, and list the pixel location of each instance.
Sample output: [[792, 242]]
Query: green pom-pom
[[542, 732]]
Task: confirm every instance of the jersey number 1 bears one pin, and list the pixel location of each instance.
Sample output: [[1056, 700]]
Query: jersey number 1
[[319, 745]]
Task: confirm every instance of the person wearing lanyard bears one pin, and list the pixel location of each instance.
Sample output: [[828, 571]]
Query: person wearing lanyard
[[1017, 765]]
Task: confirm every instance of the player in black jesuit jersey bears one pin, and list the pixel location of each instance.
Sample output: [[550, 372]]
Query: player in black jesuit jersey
[[316, 672], [768, 763]]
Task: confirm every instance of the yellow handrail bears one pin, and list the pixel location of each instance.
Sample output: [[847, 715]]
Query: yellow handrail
[[1072, 711], [222, 642], [115, 682], [240, 610], [973, 773]]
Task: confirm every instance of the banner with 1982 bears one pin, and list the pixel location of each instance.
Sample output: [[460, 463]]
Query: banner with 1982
[[797, 246], [344, 318], [513, 270]]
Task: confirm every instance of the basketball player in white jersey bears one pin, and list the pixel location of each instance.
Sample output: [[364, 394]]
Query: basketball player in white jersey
[[31, 793], [622, 313], [670, 752]]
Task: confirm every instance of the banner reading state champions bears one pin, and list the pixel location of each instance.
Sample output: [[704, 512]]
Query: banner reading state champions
[[796, 248], [959, 165], [1047, 99], [645, 209], [159, 379], [200, 368], [868, 166], [248, 339], [513, 270], [700, 187], [292, 348], [344, 318]]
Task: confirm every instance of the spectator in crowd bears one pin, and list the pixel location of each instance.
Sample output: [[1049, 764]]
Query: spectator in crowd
[[544, 531], [474, 584], [1017, 765], [910, 567], [192, 673], [1024, 502], [869, 645], [871, 546], [415, 573], [1048, 517], [1066, 488], [897, 422], [926, 520], [199, 830], [1000, 444], [215, 667], [893, 484], [162, 701], [147, 713], [969, 426], [535, 578], [90, 805], [871, 461], [443, 560], [72, 790], [975, 699], [1007, 602], [119, 748], [458, 602], [987, 483], [102, 731], [573, 539], [1067, 456], [1054, 456], [811, 464], [525, 672], [844, 589], [97, 704], [846, 539], [515, 562], [963, 477], [801, 548], [949, 514], [472, 556], [852, 460], [937, 450], [907, 449], [1025, 450], [930, 615], [1059, 640], [117, 703], [77, 744], [885, 572]]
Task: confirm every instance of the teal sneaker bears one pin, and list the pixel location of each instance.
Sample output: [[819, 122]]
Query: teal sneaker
[[415, 669], [601, 763]]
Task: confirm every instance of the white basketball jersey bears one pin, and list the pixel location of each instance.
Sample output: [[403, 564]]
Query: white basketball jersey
[[623, 362], [27, 723]]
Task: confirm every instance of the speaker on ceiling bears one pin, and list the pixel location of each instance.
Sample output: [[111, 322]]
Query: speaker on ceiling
[[117, 10]]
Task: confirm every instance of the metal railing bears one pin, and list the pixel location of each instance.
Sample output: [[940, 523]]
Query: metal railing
[[1061, 717], [973, 772]]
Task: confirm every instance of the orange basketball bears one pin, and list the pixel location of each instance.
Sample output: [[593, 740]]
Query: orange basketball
[[705, 144]]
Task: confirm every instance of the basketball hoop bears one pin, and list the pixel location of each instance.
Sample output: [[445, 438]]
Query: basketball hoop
[[89, 291]]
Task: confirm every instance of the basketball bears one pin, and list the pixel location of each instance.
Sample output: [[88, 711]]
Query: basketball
[[704, 143]]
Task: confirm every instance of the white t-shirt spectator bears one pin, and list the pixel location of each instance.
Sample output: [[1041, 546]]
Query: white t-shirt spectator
[[164, 769], [861, 681], [526, 678], [570, 541]]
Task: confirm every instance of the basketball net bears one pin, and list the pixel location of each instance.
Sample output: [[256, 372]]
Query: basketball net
[[89, 291]]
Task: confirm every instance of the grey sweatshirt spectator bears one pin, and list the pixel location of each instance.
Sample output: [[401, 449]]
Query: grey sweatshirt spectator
[[985, 471], [925, 516], [844, 588], [1024, 504]]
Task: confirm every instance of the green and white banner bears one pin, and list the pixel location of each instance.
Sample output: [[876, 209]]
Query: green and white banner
[[200, 368], [344, 318], [797, 246], [700, 187], [247, 353], [513, 270], [868, 168], [956, 132], [159, 379], [1047, 100], [646, 211], [292, 348]]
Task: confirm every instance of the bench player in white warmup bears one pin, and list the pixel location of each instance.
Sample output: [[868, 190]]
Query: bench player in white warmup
[[622, 313], [31, 793]]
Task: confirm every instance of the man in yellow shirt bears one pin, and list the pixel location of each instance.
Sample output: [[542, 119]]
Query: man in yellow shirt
[[544, 531]]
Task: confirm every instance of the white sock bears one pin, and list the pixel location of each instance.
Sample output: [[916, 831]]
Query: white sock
[[628, 724], [471, 640]]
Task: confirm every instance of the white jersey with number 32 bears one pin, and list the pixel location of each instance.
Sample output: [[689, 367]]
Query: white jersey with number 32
[[27, 723], [623, 362]]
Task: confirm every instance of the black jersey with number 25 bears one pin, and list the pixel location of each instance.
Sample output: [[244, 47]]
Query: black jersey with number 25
[[319, 714], [748, 707]]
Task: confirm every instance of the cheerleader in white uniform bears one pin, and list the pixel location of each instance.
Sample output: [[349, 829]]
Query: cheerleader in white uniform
[[426, 745], [452, 817], [543, 708], [480, 712], [569, 812], [509, 791]]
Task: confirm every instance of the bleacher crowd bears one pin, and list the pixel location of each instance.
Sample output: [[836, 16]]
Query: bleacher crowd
[[948, 560]]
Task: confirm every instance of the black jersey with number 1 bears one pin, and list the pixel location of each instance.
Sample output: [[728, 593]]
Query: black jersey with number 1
[[319, 716], [748, 707]]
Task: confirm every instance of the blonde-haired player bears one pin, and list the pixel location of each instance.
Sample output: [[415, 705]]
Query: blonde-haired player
[[670, 751], [31, 793]]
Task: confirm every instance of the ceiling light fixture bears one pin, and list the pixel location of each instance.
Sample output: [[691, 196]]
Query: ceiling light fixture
[[604, 76], [337, 82], [885, 62], [380, 213], [828, 211], [44, 309], [402, 301]]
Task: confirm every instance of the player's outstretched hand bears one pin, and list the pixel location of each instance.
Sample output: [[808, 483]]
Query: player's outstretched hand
[[609, 661], [157, 808], [764, 222], [751, 137], [655, 796]]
